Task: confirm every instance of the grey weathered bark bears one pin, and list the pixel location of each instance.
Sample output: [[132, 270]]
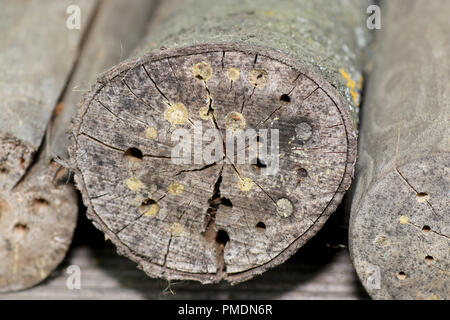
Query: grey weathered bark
[[287, 65], [400, 227], [38, 209]]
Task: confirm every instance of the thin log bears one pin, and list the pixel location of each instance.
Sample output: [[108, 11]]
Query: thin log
[[38, 215], [400, 226], [227, 66]]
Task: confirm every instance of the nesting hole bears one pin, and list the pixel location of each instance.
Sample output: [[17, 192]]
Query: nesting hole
[[222, 237], [401, 275], [426, 229], [40, 203], [260, 226], [302, 173], [226, 202], [285, 98], [133, 154], [259, 164], [20, 229], [422, 197], [429, 259], [146, 204]]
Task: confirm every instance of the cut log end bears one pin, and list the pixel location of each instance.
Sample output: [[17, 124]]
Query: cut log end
[[37, 220], [15, 157], [399, 236], [212, 219]]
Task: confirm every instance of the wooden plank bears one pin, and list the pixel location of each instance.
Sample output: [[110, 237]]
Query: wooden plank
[[104, 275], [400, 226], [225, 66]]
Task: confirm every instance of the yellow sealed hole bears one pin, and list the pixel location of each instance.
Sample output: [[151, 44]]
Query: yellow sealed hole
[[202, 71], [134, 184], [235, 121], [176, 114], [176, 229], [258, 77], [151, 133], [233, 74], [245, 184]]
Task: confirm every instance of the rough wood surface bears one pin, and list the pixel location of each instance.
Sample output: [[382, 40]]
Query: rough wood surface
[[38, 209], [225, 66], [37, 235], [400, 223]]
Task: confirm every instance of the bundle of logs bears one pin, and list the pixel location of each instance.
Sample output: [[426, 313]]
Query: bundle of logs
[[286, 76]]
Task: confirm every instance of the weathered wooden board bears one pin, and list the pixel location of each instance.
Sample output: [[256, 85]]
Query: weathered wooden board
[[38, 215], [290, 66], [400, 223]]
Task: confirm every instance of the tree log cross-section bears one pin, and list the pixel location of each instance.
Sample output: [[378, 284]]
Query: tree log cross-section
[[220, 219]]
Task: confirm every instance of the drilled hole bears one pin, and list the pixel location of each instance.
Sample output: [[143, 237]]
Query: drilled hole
[[146, 205], [259, 164], [426, 229], [261, 226], [3, 170], [39, 203], [429, 259], [133, 154], [20, 229], [226, 202], [285, 98], [401, 276], [222, 237], [302, 173], [422, 197]]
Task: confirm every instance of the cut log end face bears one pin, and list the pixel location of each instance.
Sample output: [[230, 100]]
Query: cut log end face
[[36, 227], [399, 238], [211, 215]]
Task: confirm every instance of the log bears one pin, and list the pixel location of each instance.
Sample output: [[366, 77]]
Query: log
[[287, 66], [400, 226], [38, 210], [36, 237]]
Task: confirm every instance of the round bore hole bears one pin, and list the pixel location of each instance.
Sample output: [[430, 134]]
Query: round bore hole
[[222, 237], [258, 164], [302, 173], [20, 229], [401, 276], [261, 226], [429, 259], [133, 154], [226, 202], [426, 229], [285, 98], [422, 197], [40, 203]]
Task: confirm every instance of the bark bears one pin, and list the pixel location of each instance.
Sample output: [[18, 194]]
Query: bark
[[399, 227], [286, 65], [38, 208]]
